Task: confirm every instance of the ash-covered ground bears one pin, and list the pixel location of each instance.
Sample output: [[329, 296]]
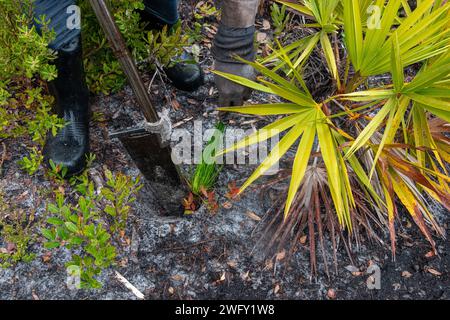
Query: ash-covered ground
[[208, 255]]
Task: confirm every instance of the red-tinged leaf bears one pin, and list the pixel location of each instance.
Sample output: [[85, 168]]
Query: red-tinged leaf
[[407, 198], [188, 204], [416, 175], [234, 191]]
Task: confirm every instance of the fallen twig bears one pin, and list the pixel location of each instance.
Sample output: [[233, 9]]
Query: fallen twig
[[129, 286], [2, 160]]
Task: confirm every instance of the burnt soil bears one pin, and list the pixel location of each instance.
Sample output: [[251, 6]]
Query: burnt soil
[[208, 255]]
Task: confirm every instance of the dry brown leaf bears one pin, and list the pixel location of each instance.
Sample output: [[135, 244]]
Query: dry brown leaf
[[281, 255], [47, 257], [265, 25], [232, 264], [34, 295], [192, 102], [303, 239], [171, 290], [269, 264], [227, 205], [276, 289], [253, 216], [434, 272], [177, 277], [245, 276], [331, 294], [406, 274], [175, 104], [223, 276], [261, 37]]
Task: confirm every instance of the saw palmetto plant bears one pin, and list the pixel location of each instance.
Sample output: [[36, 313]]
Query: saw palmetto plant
[[371, 146]]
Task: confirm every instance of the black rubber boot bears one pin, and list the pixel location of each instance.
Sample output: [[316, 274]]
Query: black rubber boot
[[71, 145], [185, 74]]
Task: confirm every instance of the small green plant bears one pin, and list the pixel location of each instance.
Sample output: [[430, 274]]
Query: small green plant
[[208, 170], [165, 45], [85, 228], [78, 228], [195, 33], [119, 193], [32, 163], [203, 13], [57, 172], [280, 18], [205, 9], [16, 233]]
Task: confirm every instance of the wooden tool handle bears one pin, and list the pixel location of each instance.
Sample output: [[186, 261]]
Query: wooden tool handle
[[121, 52]]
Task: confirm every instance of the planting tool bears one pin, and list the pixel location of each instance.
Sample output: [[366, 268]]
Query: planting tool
[[147, 145]]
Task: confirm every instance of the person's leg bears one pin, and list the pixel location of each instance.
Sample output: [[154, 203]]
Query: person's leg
[[70, 146], [184, 75], [235, 37]]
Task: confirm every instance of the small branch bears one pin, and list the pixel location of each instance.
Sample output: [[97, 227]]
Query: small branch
[[129, 286], [2, 160]]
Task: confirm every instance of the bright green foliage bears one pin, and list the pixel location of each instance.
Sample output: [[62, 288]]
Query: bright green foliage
[[119, 192], [86, 228], [394, 141], [32, 163], [25, 62], [325, 16], [280, 18], [208, 170], [164, 46], [57, 172], [23, 52], [204, 11], [103, 71]]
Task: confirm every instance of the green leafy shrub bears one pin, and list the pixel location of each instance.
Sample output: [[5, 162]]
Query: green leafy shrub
[[17, 233], [119, 193], [280, 18], [103, 71], [25, 62], [87, 227], [32, 163]]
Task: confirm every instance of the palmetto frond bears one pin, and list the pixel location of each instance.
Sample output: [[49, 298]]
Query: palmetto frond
[[396, 145]]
